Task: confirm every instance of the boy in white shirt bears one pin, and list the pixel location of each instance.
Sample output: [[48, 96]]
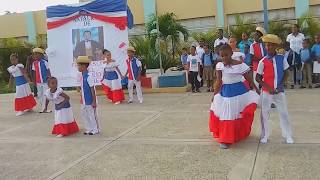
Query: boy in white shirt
[[194, 69]]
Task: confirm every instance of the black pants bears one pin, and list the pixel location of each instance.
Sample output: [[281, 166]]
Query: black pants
[[194, 81]]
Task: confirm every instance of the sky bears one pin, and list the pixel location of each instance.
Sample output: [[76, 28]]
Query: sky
[[30, 5]]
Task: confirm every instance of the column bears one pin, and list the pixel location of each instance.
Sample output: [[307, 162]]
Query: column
[[31, 28], [220, 14], [301, 7], [149, 7], [265, 15]]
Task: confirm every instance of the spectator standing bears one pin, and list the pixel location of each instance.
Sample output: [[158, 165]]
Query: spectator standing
[[247, 55], [316, 56], [199, 48], [221, 39], [184, 58], [295, 39], [193, 69], [306, 68], [245, 41], [208, 60]]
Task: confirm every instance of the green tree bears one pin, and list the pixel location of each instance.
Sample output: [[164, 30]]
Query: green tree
[[309, 25], [41, 41], [208, 37], [280, 28], [11, 43], [149, 55], [169, 29], [242, 25]]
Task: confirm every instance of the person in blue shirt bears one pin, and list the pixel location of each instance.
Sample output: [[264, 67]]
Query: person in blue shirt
[[315, 50], [208, 63], [184, 58], [305, 55], [247, 57], [245, 41]]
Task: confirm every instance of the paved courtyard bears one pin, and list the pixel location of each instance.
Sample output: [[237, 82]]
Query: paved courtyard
[[166, 137]]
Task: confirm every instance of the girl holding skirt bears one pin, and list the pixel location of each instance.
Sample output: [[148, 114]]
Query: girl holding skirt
[[111, 82], [24, 100], [233, 106], [64, 122]]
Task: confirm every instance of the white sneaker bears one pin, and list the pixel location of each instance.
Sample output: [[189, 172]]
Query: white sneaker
[[264, 140], [130, 101], [140, 101], [224, 146], [289, 140], [117, 103], [19, 113], [59, 136]]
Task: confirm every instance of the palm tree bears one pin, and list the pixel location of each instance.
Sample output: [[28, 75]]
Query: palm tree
[[208, 37], [149, 56], [241, 26], [169, 30], [309, 25], [280, 28]]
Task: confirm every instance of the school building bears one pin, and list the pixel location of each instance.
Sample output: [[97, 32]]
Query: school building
[[199, 15]]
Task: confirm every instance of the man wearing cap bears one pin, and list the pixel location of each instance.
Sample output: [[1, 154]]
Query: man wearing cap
[[271, 74], [257, 51], [41, 72], [88, 97], [134, 74]]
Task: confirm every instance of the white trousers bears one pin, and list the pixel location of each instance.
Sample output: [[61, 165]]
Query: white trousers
[[42, 88], [138, 89], [280, 101], [89, 115]]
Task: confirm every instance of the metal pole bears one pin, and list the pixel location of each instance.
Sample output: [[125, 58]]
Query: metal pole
[[158, 41], [265, 15]]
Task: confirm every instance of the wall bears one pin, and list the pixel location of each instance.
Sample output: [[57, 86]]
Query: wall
[[40, 20], [136, 7], [314, 2], [188, 9], [13, 25]]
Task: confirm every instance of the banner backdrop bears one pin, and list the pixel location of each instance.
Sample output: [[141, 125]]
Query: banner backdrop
[[85, 30]]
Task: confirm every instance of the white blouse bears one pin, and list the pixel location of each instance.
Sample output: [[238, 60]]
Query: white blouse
[[15, 70], [110, 66], [232, 74], [55, 97]]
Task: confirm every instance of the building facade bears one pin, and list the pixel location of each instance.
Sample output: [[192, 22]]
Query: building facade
[[198, 15]]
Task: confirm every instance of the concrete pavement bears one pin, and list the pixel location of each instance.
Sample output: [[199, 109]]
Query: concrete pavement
[[166, 137]]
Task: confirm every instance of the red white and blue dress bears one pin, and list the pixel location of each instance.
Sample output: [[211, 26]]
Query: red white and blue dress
[[111, 83], [24, 99], [232, 110], [64, 122]]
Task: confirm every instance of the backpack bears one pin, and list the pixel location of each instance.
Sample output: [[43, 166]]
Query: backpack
[[211, 58], [297, 62], [310, 53]]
